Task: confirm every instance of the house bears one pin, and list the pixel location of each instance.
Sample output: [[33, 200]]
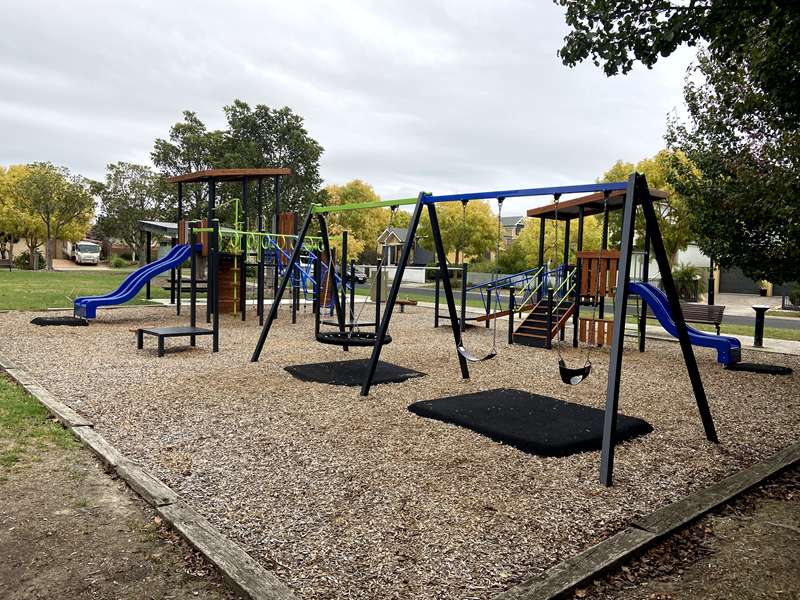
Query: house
[[395, 238], [511, 227]]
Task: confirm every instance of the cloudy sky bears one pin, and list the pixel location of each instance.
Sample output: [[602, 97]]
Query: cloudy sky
[[445, 96]]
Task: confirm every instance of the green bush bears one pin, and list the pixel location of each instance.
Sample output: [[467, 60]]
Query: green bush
[[687, 279], [23, 261], [794, 294], [117, 262]]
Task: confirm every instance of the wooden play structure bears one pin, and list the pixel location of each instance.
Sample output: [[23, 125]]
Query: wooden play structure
[[598, 277]]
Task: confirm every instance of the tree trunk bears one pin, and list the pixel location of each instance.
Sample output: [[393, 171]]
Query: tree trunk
[[48, 249]]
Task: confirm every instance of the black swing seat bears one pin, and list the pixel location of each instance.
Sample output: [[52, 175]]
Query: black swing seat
[[472, 357], [574, 376], [346, 338]]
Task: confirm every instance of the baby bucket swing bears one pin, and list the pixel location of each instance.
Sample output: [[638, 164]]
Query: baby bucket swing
[[462, 349]]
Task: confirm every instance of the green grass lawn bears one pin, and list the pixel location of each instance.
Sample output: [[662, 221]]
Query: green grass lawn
[[38, 290], [26, 427]]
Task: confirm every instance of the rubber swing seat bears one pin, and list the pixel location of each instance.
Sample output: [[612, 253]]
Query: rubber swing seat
[[355, 338]]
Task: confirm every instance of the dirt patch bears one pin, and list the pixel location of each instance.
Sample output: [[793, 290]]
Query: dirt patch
[[68, 530], [748, 549]]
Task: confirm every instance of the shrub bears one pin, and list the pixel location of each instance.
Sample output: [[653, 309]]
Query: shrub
[[794, 294], [117, 262], [688, 280], [23, 261]]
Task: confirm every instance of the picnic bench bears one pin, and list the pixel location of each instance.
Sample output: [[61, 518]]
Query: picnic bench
[[701, 313], [167, 332]]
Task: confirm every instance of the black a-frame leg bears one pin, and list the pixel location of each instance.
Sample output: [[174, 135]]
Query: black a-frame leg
[[394, 291], [273, 311], [618, 335], [668, 283]]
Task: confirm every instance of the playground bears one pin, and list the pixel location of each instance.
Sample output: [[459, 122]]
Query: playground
[[337, 492]]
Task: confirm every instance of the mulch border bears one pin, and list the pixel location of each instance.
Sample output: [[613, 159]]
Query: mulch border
[[251, 579], [237, 567]]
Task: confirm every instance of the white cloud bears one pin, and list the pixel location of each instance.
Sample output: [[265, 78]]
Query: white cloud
[[444, 96]]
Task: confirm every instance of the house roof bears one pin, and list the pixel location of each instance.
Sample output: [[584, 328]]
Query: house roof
[[512, 221], [398, 232], [159, 228]]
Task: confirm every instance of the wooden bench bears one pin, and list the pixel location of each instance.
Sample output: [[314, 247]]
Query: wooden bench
[[701, 313], [403, 303], [6, 262], [164, 332]]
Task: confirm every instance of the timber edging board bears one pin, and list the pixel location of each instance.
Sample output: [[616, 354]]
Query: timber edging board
[[237, 567], [560, 580]]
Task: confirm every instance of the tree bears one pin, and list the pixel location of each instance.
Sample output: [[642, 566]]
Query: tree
[[131, 193], [468, 237], [672, 214], [15, 222], [523, 252], [616, 33], [255, 137], [741, 176], [363, 226], [60, 200]]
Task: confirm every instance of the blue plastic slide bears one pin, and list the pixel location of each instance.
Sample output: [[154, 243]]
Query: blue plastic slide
[[729, 349], [86, 306]]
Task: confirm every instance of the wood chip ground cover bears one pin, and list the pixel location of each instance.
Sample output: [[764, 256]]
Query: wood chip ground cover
[[351, 497]]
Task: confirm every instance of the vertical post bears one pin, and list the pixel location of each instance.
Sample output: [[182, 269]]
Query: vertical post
[[758, 333], [618, 335], [567, 226], [645, 278], [343, 272], [576, 317], [379, 290], [710, 294], [488, 305], [261, 251], [511, 302], [326, 244], [437, 278], [193, 279], [317, 293], [273, 311], [215, 262], [549, 334], [179, 273], [212, 199], [172, 243], [601, 305], [463, 325], [295, 302], [393, 293], [541, 241], [276, 181], [243, 249], [352, 293], [148, 241]]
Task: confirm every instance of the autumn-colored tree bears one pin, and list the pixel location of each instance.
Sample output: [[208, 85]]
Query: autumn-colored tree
[[60, 200], [523, 253], [363, 226], [466, 233], [16, 223]]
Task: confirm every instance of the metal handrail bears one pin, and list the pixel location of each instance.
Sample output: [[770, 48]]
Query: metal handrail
[[505, 279], [569, 276]]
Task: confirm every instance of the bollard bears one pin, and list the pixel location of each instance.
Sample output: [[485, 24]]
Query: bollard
[[758, 335]]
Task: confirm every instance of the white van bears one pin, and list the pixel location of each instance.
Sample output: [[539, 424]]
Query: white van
[[86, 253]]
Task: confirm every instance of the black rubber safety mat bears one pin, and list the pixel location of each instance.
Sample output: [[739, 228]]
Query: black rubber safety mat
[[759, 368], [532, 423], [70, 321], [351, 372]]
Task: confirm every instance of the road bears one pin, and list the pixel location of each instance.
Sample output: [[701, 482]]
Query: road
[[429, 294]]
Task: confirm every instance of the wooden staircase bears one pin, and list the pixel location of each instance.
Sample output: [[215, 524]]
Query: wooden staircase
[[532, 331]]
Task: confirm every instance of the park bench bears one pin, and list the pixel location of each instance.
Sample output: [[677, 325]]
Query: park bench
[[6, 262], [403, 303], [701, 313]]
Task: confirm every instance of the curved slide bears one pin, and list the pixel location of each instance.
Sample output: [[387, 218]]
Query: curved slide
[[729, 349], [86, 306]]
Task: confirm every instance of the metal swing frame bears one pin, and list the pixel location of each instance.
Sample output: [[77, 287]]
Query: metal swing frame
[[637, 193]]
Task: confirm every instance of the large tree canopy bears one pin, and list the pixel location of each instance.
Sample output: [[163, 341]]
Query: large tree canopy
[[742, 183], [255, 137], [617, 33], [132, 193]]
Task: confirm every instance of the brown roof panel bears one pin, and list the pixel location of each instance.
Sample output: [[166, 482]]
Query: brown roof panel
[[592, 205]]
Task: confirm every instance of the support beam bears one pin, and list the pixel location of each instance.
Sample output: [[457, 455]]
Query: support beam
[[262, 253], [618, 335], [212, 199], [645, 278], [243, 248], [541, 241], [148, 241]]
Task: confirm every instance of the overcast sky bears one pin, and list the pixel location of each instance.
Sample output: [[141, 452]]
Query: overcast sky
[[446, 96]]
